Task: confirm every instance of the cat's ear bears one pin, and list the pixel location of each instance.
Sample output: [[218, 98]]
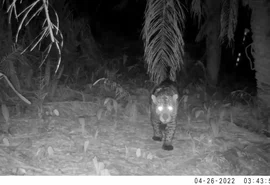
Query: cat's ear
[[175, 97], [154, 99]]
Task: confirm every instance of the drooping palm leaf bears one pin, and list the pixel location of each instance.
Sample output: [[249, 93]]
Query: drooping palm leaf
[[233, 16], [224, 17], [228, 19], [197, 10], [162, 35]]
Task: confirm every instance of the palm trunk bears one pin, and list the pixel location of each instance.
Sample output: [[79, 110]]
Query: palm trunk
[[260, 25], [213, 48], [213, 55]]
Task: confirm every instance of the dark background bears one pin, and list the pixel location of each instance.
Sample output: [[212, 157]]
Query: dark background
[[127, 22]]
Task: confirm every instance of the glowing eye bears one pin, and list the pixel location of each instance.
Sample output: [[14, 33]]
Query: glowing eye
[[160, 108], [170, 108]]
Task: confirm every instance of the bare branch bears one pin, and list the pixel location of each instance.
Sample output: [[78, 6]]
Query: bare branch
[[48, 27]]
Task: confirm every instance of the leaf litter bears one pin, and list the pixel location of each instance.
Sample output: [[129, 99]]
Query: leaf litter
[[107, 137]]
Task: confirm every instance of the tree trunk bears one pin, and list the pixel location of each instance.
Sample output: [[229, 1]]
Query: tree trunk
[[260, 25], [213, 48]]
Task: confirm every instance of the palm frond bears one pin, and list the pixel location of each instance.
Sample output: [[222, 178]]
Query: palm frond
[[203, 30], [197, 11], [224, 17], [229, 16], [162, 35], [234, 4]]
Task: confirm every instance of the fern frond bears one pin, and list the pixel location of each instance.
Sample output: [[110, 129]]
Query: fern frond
[[162, 35]]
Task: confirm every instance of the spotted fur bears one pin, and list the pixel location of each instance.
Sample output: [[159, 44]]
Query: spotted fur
[[164, 108]]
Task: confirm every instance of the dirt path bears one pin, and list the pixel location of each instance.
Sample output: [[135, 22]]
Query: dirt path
[[86, 145]]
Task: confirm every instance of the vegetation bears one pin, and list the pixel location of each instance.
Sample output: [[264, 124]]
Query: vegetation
[[79, 105]]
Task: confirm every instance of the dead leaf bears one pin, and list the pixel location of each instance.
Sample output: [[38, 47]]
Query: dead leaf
[[115, 106], [50, 151], [5, 112], [6, 142], [138, 152], [108, 103], [149, 156], [56, 112], [85, 146], [99, 113]]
